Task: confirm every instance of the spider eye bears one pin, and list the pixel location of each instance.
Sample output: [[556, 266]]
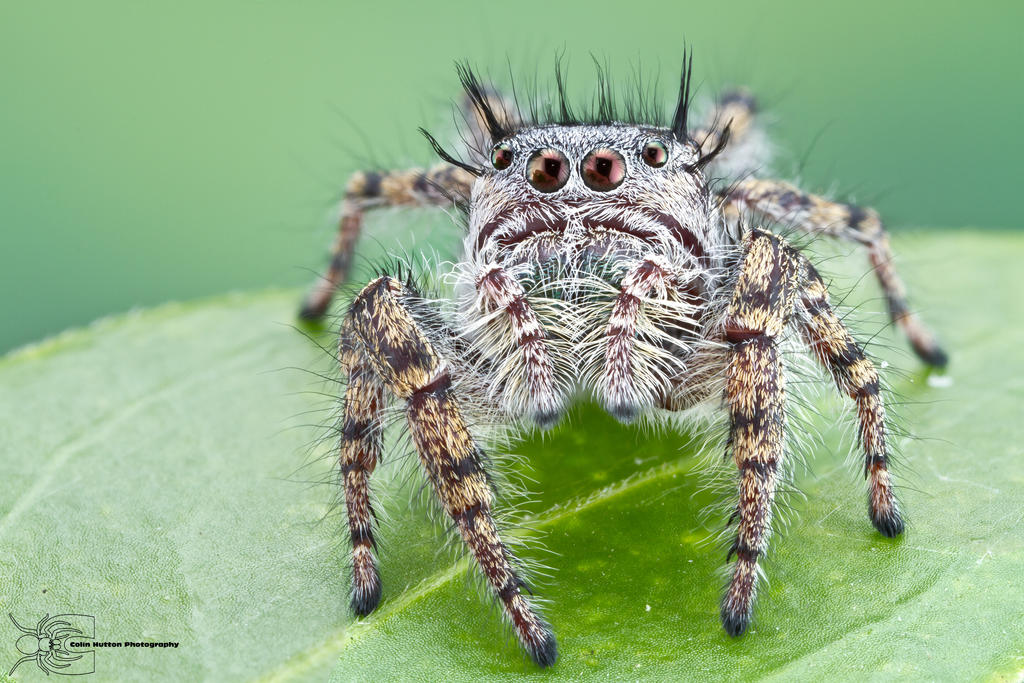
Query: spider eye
[[603, 169], [655, 154], [547, 170], [501, 156]]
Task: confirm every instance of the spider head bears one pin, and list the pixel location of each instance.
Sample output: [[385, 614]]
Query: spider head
[[590, 161], [572, 189], [555, 185]]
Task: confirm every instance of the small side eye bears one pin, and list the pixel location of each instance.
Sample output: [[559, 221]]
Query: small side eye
[[501, 156], [547, 170], [655, 154]]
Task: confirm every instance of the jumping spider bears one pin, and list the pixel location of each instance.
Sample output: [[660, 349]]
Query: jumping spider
[[599, 261]]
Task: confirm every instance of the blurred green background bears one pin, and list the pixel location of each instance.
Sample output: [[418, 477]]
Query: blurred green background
[[153, 152]]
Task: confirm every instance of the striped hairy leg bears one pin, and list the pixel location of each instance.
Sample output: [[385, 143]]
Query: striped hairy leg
[[439, 186], [855, 376], [788, 205], [401, 354], [360, 453], [776, 287], [762, 303], [366, 190], [497, 291], [626, 394]]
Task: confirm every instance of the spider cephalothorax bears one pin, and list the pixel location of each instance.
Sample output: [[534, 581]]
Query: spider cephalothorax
[[568, 214], [599, 262]]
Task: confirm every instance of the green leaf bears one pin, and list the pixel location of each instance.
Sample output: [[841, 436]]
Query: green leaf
[[161, 473]]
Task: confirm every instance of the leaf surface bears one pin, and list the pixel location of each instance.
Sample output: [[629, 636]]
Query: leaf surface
[[161, 472]]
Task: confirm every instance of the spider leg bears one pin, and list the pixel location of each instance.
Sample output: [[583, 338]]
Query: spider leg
[[623, 397], [360, 452], [22, 661], [62, 633], [478, 137], [53, 663], [22, 628], [406, 362], [367, 190], [762, 302], [499, 291], [736, 109], [855, 376], [50, 626], [654, 311], [785, 203], [65, 656]]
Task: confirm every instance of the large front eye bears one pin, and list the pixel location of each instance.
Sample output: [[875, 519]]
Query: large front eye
[[655, 154], [547, 170], [603, 169], [501, 156]]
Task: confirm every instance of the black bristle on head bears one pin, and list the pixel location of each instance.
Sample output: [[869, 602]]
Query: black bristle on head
[[637, 106], [605, 107], [683, 103], [566, 116], [640, 104], [440, 151], [723, 140], [477, 93]]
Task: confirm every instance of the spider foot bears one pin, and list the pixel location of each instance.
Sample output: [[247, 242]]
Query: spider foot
[[888, 522], [312, 311], [738, 603], [364, 603], [735, 619], [932, 355], [366, 591], [544, 650]]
